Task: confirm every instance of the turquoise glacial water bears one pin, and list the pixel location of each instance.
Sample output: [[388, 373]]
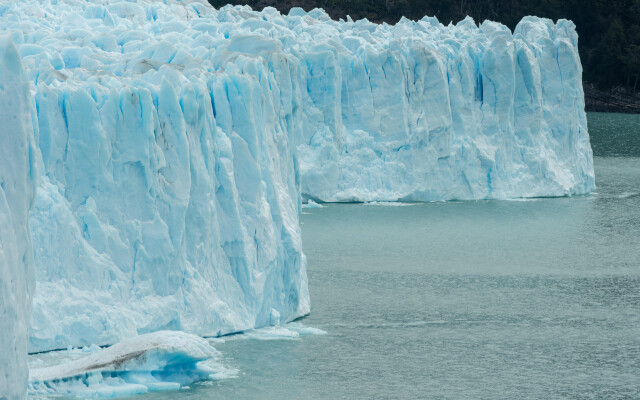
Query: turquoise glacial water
[[460, 300], [465, 300]]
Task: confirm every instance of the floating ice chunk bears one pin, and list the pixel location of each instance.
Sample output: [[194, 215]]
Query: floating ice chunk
[[163, 360], [311, 204], [389, 204], [290, 331], [308, 331], [523, 199], [272, 333]]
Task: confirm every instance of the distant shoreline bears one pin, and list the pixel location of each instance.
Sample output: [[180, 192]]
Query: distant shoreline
[[614, 101]]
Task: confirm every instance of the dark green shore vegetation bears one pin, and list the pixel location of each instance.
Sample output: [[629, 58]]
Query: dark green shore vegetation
[[609, 29]]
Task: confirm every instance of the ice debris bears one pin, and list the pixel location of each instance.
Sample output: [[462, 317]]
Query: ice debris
[[163, 360], [311, 204]]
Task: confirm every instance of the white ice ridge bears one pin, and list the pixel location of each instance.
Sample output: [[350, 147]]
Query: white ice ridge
[[175, 141], [163, 360], [17, 189]]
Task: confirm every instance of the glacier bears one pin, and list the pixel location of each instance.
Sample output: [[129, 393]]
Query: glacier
[[17, 189], [169, 197], [175, 144], [419, 111]]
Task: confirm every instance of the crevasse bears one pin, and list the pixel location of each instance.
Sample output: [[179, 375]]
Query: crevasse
[[175, 143]]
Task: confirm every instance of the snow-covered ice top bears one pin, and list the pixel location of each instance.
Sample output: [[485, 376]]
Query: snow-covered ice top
[[175, 140], [17, 189]]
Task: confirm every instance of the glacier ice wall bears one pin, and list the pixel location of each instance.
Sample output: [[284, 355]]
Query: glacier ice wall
[[17, 189], [175, 141], [420, 111], [169, 197]]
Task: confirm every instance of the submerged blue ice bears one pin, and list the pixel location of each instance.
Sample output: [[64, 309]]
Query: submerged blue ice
[[175, 142], [162, 360]]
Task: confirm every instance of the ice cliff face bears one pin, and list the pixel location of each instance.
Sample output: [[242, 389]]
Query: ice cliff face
[[427, 112], [169, 197], [17, 189], [175, 140]]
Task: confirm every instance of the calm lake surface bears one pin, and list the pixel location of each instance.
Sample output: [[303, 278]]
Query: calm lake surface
[[489, 299], [461, 300]]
